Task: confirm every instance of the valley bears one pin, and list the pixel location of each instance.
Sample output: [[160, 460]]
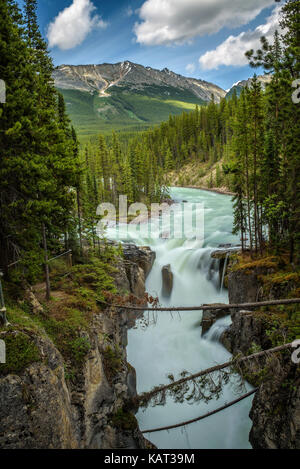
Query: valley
[[127, 96]]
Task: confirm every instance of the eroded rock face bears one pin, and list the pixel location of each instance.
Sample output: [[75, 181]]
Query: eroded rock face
[[136, 278], [167, 281], [133, 270], [41, 407], [35, 406], [246, 330], [276, 406], [243, 287], [276, 410], [138, 263], [141, 256], [246, 285]]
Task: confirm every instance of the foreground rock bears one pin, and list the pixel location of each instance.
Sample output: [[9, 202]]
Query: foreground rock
[[36, 406], [275, 411], [246, 329], [46, 406]]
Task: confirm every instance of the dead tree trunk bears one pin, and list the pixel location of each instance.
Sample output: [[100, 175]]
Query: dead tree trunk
[[145, 397]]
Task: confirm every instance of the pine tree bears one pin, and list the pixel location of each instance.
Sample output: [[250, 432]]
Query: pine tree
[[282, 59], [37, 168], [256, 144]]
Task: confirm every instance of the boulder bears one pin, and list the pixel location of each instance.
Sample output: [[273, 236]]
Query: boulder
[[168, 280]]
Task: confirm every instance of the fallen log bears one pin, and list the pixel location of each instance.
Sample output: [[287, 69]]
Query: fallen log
[[260, 304], [213, 412], [148, 395]]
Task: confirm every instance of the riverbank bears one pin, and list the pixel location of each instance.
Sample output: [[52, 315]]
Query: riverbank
[[217, 190]]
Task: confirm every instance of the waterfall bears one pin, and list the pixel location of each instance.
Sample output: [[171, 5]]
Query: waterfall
[[224, 271], [217, 329], [173, 343]]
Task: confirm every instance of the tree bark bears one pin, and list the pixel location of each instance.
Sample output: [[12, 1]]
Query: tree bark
[[47, 275], [79, 220]]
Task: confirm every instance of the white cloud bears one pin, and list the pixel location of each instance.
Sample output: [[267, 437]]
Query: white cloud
[[232, 51], [72, 25], [178, 21], [190, 68]]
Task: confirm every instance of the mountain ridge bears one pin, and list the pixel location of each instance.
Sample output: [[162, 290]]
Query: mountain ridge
[[127, 96], [99, 77], [263, 79]]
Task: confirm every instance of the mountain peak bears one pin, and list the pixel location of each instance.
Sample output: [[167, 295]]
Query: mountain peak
[[238, 86], [98, 78]]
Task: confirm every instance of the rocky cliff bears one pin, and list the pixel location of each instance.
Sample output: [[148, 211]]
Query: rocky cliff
[[46, 403], [276, 406]]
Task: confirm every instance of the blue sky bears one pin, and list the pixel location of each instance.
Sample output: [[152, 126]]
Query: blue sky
[[201, 38]]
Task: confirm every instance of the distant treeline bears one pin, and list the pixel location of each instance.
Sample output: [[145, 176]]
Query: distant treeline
[[255, 138], [51, 186]]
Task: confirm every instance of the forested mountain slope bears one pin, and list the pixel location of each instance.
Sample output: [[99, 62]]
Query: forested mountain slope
[[238, 87], [127, 95]]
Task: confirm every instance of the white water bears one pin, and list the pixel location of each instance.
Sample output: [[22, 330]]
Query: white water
[[172, 343]]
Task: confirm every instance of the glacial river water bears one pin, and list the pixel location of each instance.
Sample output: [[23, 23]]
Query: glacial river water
[[169, 344]]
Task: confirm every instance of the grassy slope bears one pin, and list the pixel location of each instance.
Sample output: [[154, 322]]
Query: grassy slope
[[64, 319], [125, 110]]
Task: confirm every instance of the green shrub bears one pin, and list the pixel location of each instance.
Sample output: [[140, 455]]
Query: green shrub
[[80, 348], [21, 352], [124, 420], [112, 361]]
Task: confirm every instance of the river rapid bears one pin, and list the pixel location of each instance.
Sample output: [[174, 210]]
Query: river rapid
[[170, 343]]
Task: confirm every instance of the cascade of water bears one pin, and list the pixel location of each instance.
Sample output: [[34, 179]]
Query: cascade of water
[[173, 343], [217, 329], [224, 271]]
